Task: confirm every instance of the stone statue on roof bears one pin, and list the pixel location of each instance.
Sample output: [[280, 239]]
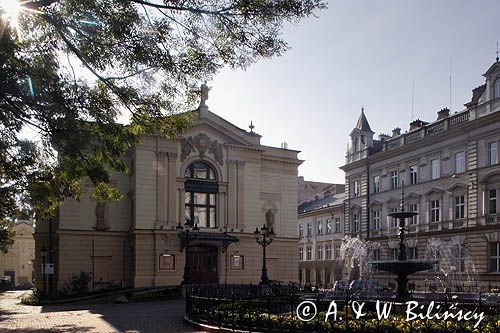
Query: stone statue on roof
[[204, 89]]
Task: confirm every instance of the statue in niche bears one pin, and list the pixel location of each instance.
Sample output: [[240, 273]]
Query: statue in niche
[[100, 211], [269, 219]]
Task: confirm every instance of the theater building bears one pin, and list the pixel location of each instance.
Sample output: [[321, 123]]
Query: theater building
[[217, 176]]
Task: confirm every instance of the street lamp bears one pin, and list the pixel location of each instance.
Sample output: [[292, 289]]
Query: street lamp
[[185, 237], [264, 238], [43, 254]]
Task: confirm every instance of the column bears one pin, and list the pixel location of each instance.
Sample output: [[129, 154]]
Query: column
[[232, 196], [240, 223], [171, 189], [160, 189]]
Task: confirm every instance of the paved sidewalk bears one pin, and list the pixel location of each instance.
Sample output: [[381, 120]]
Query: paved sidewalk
[[143, 317]]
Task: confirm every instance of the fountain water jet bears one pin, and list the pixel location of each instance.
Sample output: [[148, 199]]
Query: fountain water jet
[[403, 267]]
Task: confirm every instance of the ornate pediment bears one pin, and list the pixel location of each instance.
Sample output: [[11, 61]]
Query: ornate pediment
[[202, 144]]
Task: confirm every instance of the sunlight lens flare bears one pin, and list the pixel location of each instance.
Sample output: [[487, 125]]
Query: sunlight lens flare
[[10, 10]]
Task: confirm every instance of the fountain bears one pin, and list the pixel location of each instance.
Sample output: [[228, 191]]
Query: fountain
[[403, 267]]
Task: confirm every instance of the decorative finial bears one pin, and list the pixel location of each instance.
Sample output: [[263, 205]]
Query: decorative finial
[[204, 89], [402, 196], [251, 126], [497, 52], [362, 108]]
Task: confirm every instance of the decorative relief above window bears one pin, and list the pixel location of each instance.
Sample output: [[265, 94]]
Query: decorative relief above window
[[202, 144]]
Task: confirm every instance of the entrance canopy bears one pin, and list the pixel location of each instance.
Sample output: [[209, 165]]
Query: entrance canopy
[[222, 237]]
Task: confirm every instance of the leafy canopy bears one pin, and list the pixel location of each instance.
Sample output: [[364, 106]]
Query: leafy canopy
[[70, 68]]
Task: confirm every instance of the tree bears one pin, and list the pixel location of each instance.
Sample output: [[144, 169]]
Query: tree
[[69, 68]]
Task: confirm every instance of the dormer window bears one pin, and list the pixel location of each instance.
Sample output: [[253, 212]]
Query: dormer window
[[496, 88]]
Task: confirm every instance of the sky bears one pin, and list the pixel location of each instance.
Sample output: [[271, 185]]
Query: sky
[[376, 54]]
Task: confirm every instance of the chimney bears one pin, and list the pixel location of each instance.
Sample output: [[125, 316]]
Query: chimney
[[396, 132], [416, 124], [383, 137], [443, 113]]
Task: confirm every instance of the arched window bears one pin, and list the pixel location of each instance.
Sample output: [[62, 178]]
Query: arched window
[[496, 88], [201, 195]]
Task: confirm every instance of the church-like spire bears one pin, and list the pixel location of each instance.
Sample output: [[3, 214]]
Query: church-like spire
[[362, 124]]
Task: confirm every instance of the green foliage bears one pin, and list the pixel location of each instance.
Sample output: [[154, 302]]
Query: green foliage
[[246, 314], [32, 298], [77, 285], [70, 68], [6, 236]]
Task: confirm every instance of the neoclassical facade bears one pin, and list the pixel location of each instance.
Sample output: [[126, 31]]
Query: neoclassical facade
[[216, 176], [451, 174]]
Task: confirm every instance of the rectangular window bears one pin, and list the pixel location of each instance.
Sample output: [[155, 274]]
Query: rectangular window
[[460, 258], [413, 208], [492, 201], [320, 227], [319, 252], [337, 251], [376, 184], [459, 207], [309, 229], [328, 251], [394, 179], [308, 253], [435, 169], [376, 254], [393, 254], [337, 225], [328, 226], [393, 222], [301, 253], [493, 152], [356, 189], [435, 211], [495, 257], [412, 253], [376, 219], [355, 223], [301, 231], [308, 275], [318, 276], [460, 162], [413, 174]]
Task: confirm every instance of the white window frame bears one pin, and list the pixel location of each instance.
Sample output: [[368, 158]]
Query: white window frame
[[309, 229], [394, 179], [495, 257], [336, 253], [319, 252], [393, 222], [413, 207], [356, 188], [435, 213], [459, 207], [413, 174], [412, 253], [460, 162], [301, 253], [435, 168], [493, 200], [309, 253], [376, 219], [338, 225], [328, 226], [355, 222], [301, 231], [320, 227], [328, 251], [376, 184], [493, 152], [393, 254]]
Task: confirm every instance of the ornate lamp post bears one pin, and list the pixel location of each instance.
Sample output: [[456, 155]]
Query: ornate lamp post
[[187, 233], [43, 254], [264, 238]]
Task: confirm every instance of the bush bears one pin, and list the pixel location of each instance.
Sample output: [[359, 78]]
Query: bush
[[33, 298], [78, 285]]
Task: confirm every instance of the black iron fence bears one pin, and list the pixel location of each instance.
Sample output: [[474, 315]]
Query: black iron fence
[[288, 308]]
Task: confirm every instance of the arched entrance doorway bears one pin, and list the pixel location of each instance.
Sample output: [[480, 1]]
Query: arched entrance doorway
[[203, 263]]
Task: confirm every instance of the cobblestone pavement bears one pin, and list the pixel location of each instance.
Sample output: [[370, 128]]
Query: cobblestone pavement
[[143, 317]]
